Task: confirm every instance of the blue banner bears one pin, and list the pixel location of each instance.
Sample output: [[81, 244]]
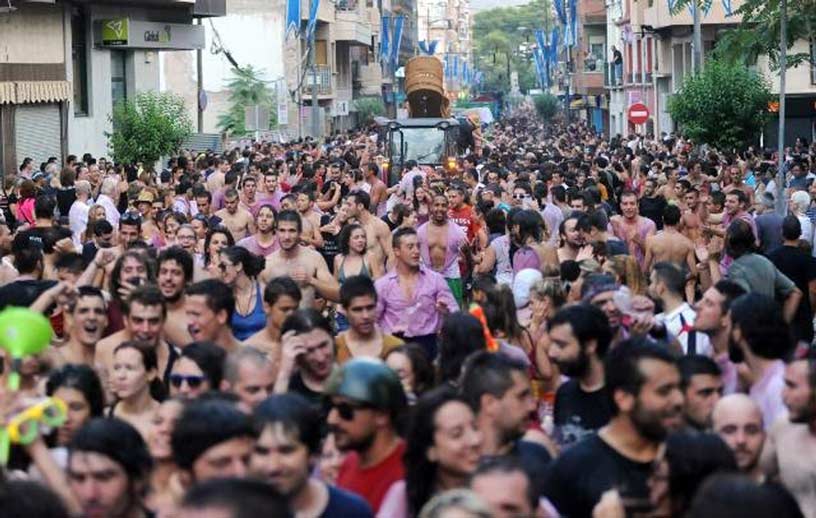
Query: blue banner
[[559, 9], [553, 57], [397, 41], [384, 43], [541, 41], [727, 7], [573, 22], [292, 18], [310, 28], [428, 48], [455, 71], [465, 73]]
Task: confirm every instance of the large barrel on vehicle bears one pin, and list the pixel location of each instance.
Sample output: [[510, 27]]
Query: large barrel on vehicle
[[424, 87]]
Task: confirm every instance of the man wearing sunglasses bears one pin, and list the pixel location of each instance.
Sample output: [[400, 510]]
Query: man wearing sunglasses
[[366, 399]]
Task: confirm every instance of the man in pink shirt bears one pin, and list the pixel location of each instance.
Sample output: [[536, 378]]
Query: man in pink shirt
[[412, 299], [440, 241]]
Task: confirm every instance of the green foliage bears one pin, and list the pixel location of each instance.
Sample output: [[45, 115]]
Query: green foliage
[[499, 34], [759, 31], [246, 88], [725, 106], [150, 126], [546, 105], [367, 108]]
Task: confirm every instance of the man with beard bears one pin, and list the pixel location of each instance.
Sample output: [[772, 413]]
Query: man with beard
[[579, 339], [175, 272], [644, 385], [303, 264], [273, 193], [738, 422], [573, 240], [498, 391], [263, 242], [631, 227], [652, 204], [108, 469], [249, 187], [440, 242], [702, 385], [144, 315], [791, 446], [599, 290], [712, 319], [86, 320], [310, 234], [287, 448], [366, 400], [281, 298]]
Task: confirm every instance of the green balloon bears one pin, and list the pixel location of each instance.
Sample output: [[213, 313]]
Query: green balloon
[[24, 332]]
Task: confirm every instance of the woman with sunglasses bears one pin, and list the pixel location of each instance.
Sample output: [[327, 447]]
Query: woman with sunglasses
[[442, 449], [136, 385], [239, 270], [218, 238], [199, 369]]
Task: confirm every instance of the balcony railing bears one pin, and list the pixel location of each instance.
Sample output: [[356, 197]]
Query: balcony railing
[[594, 65], [346, 5], [321, 79]]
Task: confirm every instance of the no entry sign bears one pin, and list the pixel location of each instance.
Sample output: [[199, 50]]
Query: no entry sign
[[638, 113]]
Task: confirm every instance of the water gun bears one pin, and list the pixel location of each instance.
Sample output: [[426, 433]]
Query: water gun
[[22, 333], [477, 311]]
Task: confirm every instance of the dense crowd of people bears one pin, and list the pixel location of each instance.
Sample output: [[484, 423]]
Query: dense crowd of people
[[560, 325]]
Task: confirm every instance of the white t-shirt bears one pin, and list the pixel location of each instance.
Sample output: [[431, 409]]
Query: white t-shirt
[[678, 323]]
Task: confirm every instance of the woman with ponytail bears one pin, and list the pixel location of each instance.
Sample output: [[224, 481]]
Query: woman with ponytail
[[239, 270]]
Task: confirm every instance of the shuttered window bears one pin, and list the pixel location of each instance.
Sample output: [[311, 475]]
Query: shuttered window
[[38, 132]]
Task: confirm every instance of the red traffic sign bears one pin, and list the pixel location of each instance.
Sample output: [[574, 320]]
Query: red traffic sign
[[638, 113]]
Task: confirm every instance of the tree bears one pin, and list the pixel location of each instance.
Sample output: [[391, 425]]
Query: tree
[[726, 105], [499, 36], [546, 105], [246, 88], [367, 108], [147, 127]]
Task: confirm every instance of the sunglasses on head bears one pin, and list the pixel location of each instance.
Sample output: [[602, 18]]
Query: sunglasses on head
[[346, 410], [192, 381]]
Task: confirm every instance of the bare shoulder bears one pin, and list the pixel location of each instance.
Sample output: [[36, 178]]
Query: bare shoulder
[[106, 346]]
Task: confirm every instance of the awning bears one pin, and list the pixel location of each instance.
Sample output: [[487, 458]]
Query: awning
[[22, 92]]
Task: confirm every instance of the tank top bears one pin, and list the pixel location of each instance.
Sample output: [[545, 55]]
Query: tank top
[[244, 326], [504, 267]]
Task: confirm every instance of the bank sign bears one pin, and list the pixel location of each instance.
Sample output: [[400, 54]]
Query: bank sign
[[137, 34]]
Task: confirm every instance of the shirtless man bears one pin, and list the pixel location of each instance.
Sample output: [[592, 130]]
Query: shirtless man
[[631, 227], [672, 246], [145, 315], [669, 189], [304, 265], [216, 180], [86, 320], [310, 236], [440, 242], [281, 299], [378, 190], [249, 187], [378, 236], [691, 224], [237, 219], [175, 273]]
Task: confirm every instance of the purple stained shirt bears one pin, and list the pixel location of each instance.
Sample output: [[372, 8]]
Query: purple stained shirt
[[273, 199], [767, 393], [524, 258], [456, 239], [726, 260], [417, 316], [251, 244]]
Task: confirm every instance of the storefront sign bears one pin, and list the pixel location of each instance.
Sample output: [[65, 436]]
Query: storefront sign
[[138, 34]]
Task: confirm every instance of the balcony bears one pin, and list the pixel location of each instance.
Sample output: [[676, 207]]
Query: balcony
[[325, 11], [659, 16], [611, 80], [323, 82], [352, 23]]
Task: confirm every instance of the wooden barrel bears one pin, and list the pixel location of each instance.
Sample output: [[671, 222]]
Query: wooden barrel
[[424, 87]]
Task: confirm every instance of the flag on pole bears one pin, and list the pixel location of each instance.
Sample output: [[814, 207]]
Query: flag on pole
[[292, 18], [573, 22], [553, 57], [727, 7], [397, 42], [559, 9], [384, 43], [310, 28]]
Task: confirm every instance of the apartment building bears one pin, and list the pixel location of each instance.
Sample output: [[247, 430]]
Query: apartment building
[[63, 66], [588, 96], [449, 23]]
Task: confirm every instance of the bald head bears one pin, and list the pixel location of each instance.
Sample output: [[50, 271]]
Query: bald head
[[737, 419]]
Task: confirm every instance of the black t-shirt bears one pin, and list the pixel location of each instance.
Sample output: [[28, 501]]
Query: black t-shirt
[[296, 385], [23, 293], [800, 268], [535, 459], [331, 243], [578, 478], [65, 198], [47, 236], [345, 503], [652, 208], [578, 413]]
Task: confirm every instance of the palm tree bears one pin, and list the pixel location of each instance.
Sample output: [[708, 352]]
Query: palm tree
[[246, 89]]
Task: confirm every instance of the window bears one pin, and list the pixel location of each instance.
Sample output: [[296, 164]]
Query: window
[[79, 61], [594, 60], [118, 76]]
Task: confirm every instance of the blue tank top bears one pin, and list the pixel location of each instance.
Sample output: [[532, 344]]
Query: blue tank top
[[244, 326]]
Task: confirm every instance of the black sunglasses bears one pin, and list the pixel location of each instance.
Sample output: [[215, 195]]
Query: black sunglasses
[[346, 410], [192, 381]]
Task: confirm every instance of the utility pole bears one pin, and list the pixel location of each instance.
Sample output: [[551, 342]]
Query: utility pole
[[313, 60], [200, 83], [783, 66], [697, 40]]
